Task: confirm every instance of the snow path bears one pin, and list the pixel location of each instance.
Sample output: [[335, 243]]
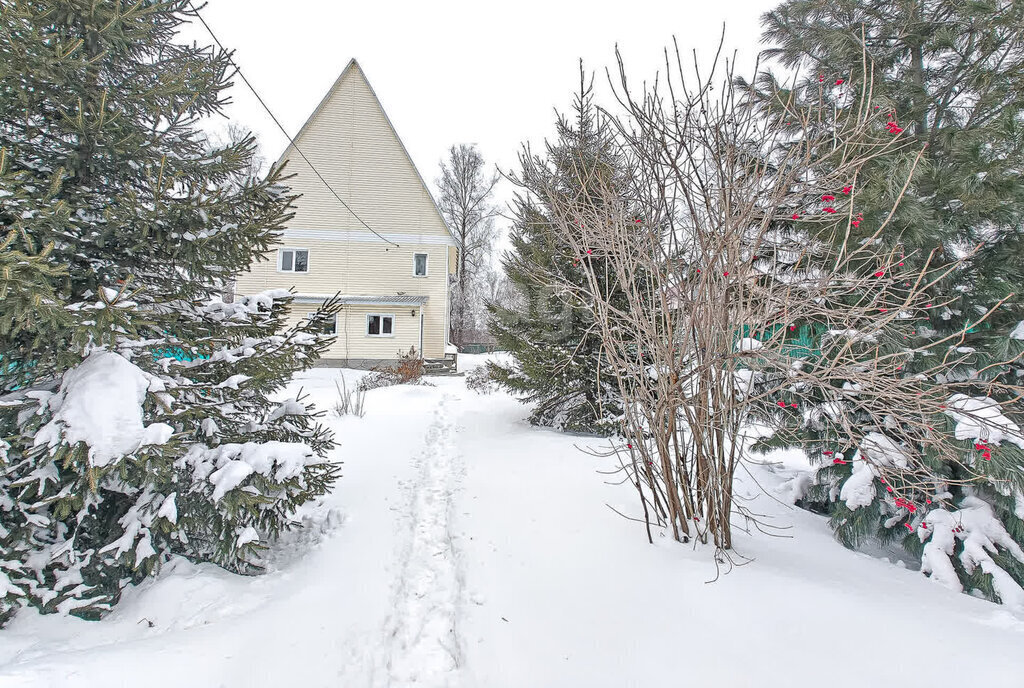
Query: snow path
[[421, 645], [463, 548]]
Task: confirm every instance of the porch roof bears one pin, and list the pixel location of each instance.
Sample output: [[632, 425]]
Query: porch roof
[[386, 300]]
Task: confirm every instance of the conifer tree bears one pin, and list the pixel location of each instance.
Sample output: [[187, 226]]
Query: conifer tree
[[556, 348], [139, 412], [949, 77]]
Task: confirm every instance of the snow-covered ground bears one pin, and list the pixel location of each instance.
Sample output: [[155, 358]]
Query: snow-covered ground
[[463, 547]]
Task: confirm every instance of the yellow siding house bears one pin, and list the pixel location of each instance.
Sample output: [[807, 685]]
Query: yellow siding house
[[394, 292]]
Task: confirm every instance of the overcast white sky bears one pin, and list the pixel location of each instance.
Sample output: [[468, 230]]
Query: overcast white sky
[[480, 71]]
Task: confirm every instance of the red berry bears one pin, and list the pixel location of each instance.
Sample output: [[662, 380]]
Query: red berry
[[880, 273], [828, 197], [796, 216], [726, 273]]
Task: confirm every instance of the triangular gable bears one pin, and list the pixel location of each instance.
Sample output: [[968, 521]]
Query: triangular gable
[[356, 70]]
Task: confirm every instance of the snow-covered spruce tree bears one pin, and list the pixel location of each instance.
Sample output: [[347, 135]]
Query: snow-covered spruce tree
[[949, 81], [137, 410], [558, 365]]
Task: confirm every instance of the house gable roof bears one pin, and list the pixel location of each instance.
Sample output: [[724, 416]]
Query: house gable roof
[[353, 69]]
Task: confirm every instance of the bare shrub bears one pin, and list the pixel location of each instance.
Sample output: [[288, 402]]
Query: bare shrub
[[410, 367], [407, 371], [741, 232]]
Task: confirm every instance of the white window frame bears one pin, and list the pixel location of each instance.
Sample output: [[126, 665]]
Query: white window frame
[[426, 264], [309, 316], [382, 316], [280, 259]]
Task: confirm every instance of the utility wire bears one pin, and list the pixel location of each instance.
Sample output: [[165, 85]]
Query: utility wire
[[281, 127]]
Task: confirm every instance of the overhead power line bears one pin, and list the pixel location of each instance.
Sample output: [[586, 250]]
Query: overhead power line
[[283, 130]]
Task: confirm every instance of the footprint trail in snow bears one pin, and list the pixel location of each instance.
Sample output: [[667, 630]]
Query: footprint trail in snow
[[422, 646]]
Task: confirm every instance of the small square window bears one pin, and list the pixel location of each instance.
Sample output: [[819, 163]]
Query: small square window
[[294, 260], [419, 265], [330, 326], [379, 325]]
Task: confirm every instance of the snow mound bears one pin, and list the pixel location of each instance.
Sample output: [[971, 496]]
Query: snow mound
[[100, 403]]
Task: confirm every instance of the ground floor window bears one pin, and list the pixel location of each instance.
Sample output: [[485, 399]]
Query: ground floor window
[[330, 326], [380, 324]]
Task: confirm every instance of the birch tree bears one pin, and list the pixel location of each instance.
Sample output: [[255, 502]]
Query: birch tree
[[466, 194]]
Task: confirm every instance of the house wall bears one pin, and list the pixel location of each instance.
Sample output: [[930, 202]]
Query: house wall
[[352, 342], [357, 268], [351, 143]]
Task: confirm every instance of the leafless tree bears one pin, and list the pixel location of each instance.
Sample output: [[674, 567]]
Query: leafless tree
[[465, 201], [495, 287], [747, 233], [235, 139]]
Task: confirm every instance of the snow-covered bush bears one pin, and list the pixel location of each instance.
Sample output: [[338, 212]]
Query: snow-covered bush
[[966, 523], [479, 380], [126, 458]]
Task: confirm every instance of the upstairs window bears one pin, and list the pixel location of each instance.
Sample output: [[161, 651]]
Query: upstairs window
[[293, 260], [419, 265], [380, 325]]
